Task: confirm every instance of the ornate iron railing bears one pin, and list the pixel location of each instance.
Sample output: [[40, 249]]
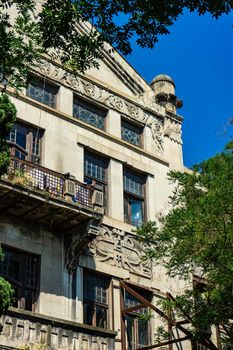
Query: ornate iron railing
[[48, 181]]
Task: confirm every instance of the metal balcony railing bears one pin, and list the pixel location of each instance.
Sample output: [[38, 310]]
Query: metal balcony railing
[[50, 182]]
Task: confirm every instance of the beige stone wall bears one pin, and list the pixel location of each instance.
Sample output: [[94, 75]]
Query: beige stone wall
[[64, 142]]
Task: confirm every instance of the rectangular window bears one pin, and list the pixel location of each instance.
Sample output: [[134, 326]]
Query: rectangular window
[[21, 269], [134, 212], [90, 114], [42, 92], [137, 326], [95, 170], [25, 142], [95, 300], [131, 133]]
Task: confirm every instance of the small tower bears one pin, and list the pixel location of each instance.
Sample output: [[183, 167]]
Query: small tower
[[164, 89]]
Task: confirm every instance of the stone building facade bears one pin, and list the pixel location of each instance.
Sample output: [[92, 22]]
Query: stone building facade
[[90, 157]]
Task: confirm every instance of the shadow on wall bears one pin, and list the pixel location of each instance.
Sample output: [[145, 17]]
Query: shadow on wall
[[41, 264]]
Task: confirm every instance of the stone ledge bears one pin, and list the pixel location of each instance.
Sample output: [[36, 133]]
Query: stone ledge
[[58, 322]]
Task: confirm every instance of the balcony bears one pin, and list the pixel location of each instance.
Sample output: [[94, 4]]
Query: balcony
[[36, 193], [27, 330]]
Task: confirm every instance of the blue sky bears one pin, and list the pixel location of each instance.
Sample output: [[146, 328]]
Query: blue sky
[[198, 55]]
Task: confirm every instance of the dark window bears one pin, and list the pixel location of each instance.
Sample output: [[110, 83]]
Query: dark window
[[133, 198], [22, 271], [25, 142], [131, 133], [89, 114], [136, 322], [95, 300], [95, 171], [95, 167], [43, 92]]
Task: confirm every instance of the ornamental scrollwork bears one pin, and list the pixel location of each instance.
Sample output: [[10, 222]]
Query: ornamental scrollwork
[[172, 129], [120, 249], [109, 99], [77, 241]]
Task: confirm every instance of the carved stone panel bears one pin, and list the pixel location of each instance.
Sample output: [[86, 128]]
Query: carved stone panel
[[120, 249], [172, 130], [77, 240]]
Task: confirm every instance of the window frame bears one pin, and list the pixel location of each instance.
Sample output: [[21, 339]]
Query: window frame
[[128, 196], [47, 85], [135, 317], [21, 283], [28, 153], [133, 126], [94, 180], [85, 103], [93, 303]]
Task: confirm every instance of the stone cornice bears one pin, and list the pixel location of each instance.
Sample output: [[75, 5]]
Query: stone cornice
[[149, 114], [156, 157], [104, 96]]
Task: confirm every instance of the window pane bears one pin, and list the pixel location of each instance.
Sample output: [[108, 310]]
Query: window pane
[[130, 332], [95, 300], [29, 300], [19, 135], [88, 113], [130, 301], [95, 288], [133, 183], [101, 317], [21, 269], [42, 92], [143, 336], [95, 167], [136, 212], [131, 133], [88, 313]]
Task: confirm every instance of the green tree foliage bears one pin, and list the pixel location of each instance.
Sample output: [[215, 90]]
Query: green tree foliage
[[7, 120], [6, 292], [145, 20], [196, 238], [54, 29]]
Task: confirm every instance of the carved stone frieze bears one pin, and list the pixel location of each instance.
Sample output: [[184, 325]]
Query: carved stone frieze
[[120, 249], [27, 330], [107, 98], [172, 129], [77, 240]]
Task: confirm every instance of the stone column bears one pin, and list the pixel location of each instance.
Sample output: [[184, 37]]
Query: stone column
[[79, 294], [114, 123], [150, 198], [115, 190], [147, 139], [117, 311], [65, 100]]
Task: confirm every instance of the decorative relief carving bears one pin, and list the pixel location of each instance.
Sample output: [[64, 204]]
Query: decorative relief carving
[[33, 332], [86, 88], [172, 129], [120, 249], [77, 240]]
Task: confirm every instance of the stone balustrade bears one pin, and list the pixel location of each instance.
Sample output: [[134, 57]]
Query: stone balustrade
[[27, 330]]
